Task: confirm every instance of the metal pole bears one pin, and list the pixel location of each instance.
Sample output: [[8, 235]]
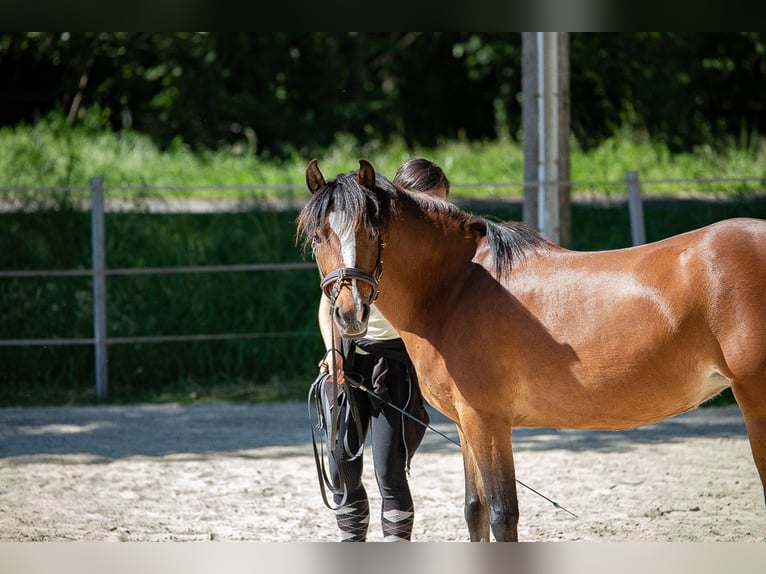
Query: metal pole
[[532, 67], [530, 122], [542, 187], [564, 127], [636, 209], [548, 135], [99, 284]]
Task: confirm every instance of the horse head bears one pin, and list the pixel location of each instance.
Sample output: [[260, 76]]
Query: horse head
[[345, 242]]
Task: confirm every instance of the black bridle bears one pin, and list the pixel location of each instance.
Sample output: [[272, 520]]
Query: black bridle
[[332, 282]]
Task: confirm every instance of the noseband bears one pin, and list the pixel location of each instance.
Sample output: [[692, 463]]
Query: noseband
[[332, 282]]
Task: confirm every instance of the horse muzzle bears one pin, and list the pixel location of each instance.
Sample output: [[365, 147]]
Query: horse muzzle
[[350, 311], [352, 322]]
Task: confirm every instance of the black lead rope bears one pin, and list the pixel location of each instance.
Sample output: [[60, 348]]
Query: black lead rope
[[315, 393], [328, 420], [328, 412], [373, 394], [329, 435]]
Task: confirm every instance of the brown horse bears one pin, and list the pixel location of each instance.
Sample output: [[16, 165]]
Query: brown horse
[[508, 330]]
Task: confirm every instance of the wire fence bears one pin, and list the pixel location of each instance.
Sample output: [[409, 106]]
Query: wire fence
[[94, 198]]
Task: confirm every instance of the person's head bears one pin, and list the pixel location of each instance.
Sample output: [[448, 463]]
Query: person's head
[[419, 174]]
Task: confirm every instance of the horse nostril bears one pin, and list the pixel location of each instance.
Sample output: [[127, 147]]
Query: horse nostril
[[338, 316], [364, 313], [355, 320]]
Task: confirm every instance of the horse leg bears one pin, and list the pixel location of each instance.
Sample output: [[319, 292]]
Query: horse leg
[[490, 444], [752, 403], [476, 516]]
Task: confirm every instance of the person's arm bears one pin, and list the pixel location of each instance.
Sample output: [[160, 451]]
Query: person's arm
[[326, 329]]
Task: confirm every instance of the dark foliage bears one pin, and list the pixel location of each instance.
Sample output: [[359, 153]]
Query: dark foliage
[[285, 92]]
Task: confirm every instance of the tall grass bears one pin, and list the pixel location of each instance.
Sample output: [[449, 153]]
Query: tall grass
[[51, 153]]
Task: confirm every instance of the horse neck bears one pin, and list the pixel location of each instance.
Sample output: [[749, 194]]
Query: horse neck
[[423, 258]]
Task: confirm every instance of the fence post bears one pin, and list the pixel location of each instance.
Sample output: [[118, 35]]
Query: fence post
[[636, 209], [98, 249]]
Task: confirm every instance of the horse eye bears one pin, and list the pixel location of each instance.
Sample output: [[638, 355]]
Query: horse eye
[[316, 240]]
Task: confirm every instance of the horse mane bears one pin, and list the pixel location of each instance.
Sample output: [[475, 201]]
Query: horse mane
[[508, 242]]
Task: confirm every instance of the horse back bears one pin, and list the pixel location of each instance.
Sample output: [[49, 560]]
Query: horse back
[[619, 338]]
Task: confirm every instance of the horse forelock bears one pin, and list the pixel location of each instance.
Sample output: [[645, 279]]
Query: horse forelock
[[354, 206]]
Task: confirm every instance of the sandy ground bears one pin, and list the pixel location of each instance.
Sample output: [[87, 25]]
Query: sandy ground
[[246, 472]]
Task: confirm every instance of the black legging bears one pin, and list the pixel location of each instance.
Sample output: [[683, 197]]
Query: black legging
[[389, 449], [386, 424]]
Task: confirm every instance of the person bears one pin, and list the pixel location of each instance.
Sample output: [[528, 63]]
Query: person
[[380, 362]]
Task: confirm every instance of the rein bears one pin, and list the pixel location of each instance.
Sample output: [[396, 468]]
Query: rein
[[328, 438], [328, 416], [453, 441]]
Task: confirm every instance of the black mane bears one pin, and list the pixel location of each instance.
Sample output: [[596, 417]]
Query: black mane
[[343, 193], [508, 241]]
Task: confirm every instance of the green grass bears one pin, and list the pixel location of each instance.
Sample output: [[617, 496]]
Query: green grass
[[50, 153]]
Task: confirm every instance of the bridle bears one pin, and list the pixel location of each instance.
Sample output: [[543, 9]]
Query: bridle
[[332, 282]]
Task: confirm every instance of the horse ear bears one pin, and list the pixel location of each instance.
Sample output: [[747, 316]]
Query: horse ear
[[366, 175], [314, 177]]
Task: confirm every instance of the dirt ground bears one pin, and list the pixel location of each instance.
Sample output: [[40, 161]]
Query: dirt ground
[[246, 472]]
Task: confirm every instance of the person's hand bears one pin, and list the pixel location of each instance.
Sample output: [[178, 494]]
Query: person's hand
[[326, 366]]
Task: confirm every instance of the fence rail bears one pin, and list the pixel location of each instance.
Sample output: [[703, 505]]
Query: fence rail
[[160, 270], [59, 342], [99, 271]]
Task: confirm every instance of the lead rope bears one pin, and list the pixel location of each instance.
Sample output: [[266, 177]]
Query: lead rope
[[328, 417], [324, 480], [373, 394]]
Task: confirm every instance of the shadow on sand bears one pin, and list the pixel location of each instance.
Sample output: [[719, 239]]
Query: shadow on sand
[[111, 432]]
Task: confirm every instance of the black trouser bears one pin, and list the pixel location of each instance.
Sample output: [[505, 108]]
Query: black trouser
[[389, 451]]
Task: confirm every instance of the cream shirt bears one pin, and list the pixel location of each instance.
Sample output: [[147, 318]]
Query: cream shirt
[[378, 329]]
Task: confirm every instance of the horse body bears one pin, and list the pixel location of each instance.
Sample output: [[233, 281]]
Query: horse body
[[604, 340], [563, 339]]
